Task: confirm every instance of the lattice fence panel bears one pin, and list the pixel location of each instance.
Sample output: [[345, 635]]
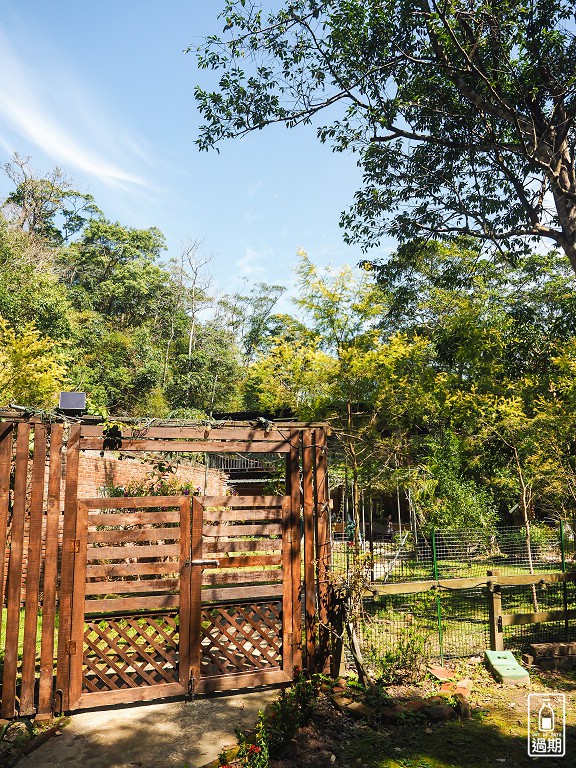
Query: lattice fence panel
[[241, 638], [121, 653]]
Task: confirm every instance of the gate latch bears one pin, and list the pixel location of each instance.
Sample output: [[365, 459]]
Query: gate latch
[[213, 563]]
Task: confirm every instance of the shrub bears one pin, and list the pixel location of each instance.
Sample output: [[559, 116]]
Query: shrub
[[406, 662]]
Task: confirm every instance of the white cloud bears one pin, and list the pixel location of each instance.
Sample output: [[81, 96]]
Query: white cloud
[[250, 265], [55, 113]]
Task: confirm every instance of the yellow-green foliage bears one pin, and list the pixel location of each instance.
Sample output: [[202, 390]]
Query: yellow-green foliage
[[32, 370]]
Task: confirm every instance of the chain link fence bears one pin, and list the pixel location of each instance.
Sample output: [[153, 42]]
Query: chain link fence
[[454, 621]]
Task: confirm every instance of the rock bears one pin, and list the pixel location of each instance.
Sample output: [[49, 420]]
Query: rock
[[527, 659], [340, 701], [447, 689], [415, 705], [441, 673], [359, 710], [462, 707], [389, 713], [439, 713], [338, 689], [326, 688]]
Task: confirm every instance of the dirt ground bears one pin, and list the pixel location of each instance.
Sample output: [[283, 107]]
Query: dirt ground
[[495, 734], [170, 734]]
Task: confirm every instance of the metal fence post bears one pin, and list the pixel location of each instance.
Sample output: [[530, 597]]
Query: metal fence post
[[438, 605], [564, 585]]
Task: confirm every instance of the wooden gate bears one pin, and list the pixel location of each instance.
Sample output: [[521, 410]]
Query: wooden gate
[[130, 601], [140, 612], [165, 602], [243, 610]]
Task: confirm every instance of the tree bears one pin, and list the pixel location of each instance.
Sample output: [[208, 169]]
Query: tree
[[46, 205], [112, 269], [462, 114], [32, 371], [249, 316], [30, 290]]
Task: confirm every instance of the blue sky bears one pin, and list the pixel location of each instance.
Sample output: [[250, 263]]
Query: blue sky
[[104, 90]]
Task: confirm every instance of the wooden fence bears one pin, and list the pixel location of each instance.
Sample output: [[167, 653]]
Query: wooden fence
[[53, 550]]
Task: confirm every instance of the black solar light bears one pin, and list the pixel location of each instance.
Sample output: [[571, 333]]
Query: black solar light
[[72, 403]]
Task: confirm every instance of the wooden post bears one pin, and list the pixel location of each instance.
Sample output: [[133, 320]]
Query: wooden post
[[6, 435], [45, 703], [495, 612], [33, 572], [287, 612], [309, 581], [323, 547], [197, 547], [293, 490], [14, 588], [371, 535], [67, 574]]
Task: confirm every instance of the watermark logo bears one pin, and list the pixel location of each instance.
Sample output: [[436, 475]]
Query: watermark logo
[[546, 725]]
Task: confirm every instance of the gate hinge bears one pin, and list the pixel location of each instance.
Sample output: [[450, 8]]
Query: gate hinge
[[500, 625], [70, 647], [75, 546]]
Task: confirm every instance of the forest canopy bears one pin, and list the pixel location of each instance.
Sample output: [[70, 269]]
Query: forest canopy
[[441, 371]]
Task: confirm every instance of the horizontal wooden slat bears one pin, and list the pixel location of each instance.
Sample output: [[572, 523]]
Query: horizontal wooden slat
[[222, 546], [534, 578], [241, 515], [132, 603], [467, 583], [238, 502], [242, 577], [130, 569], [130, 587], [241, 680], [146, 693], [120, 552], [134, 534], [133, 502], [266, 529], [191, 433], [134, 518], [190, 446], [209, 594], [244, 561], [514, 619]]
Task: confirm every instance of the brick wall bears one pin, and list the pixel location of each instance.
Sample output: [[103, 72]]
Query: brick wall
[[96, 472]]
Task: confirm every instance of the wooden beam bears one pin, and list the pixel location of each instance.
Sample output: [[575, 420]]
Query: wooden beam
[[411, 587], [215, 434], [515, 619], [188, 446]]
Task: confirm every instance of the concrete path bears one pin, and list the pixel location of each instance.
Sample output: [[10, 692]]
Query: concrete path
[[163, 735]]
